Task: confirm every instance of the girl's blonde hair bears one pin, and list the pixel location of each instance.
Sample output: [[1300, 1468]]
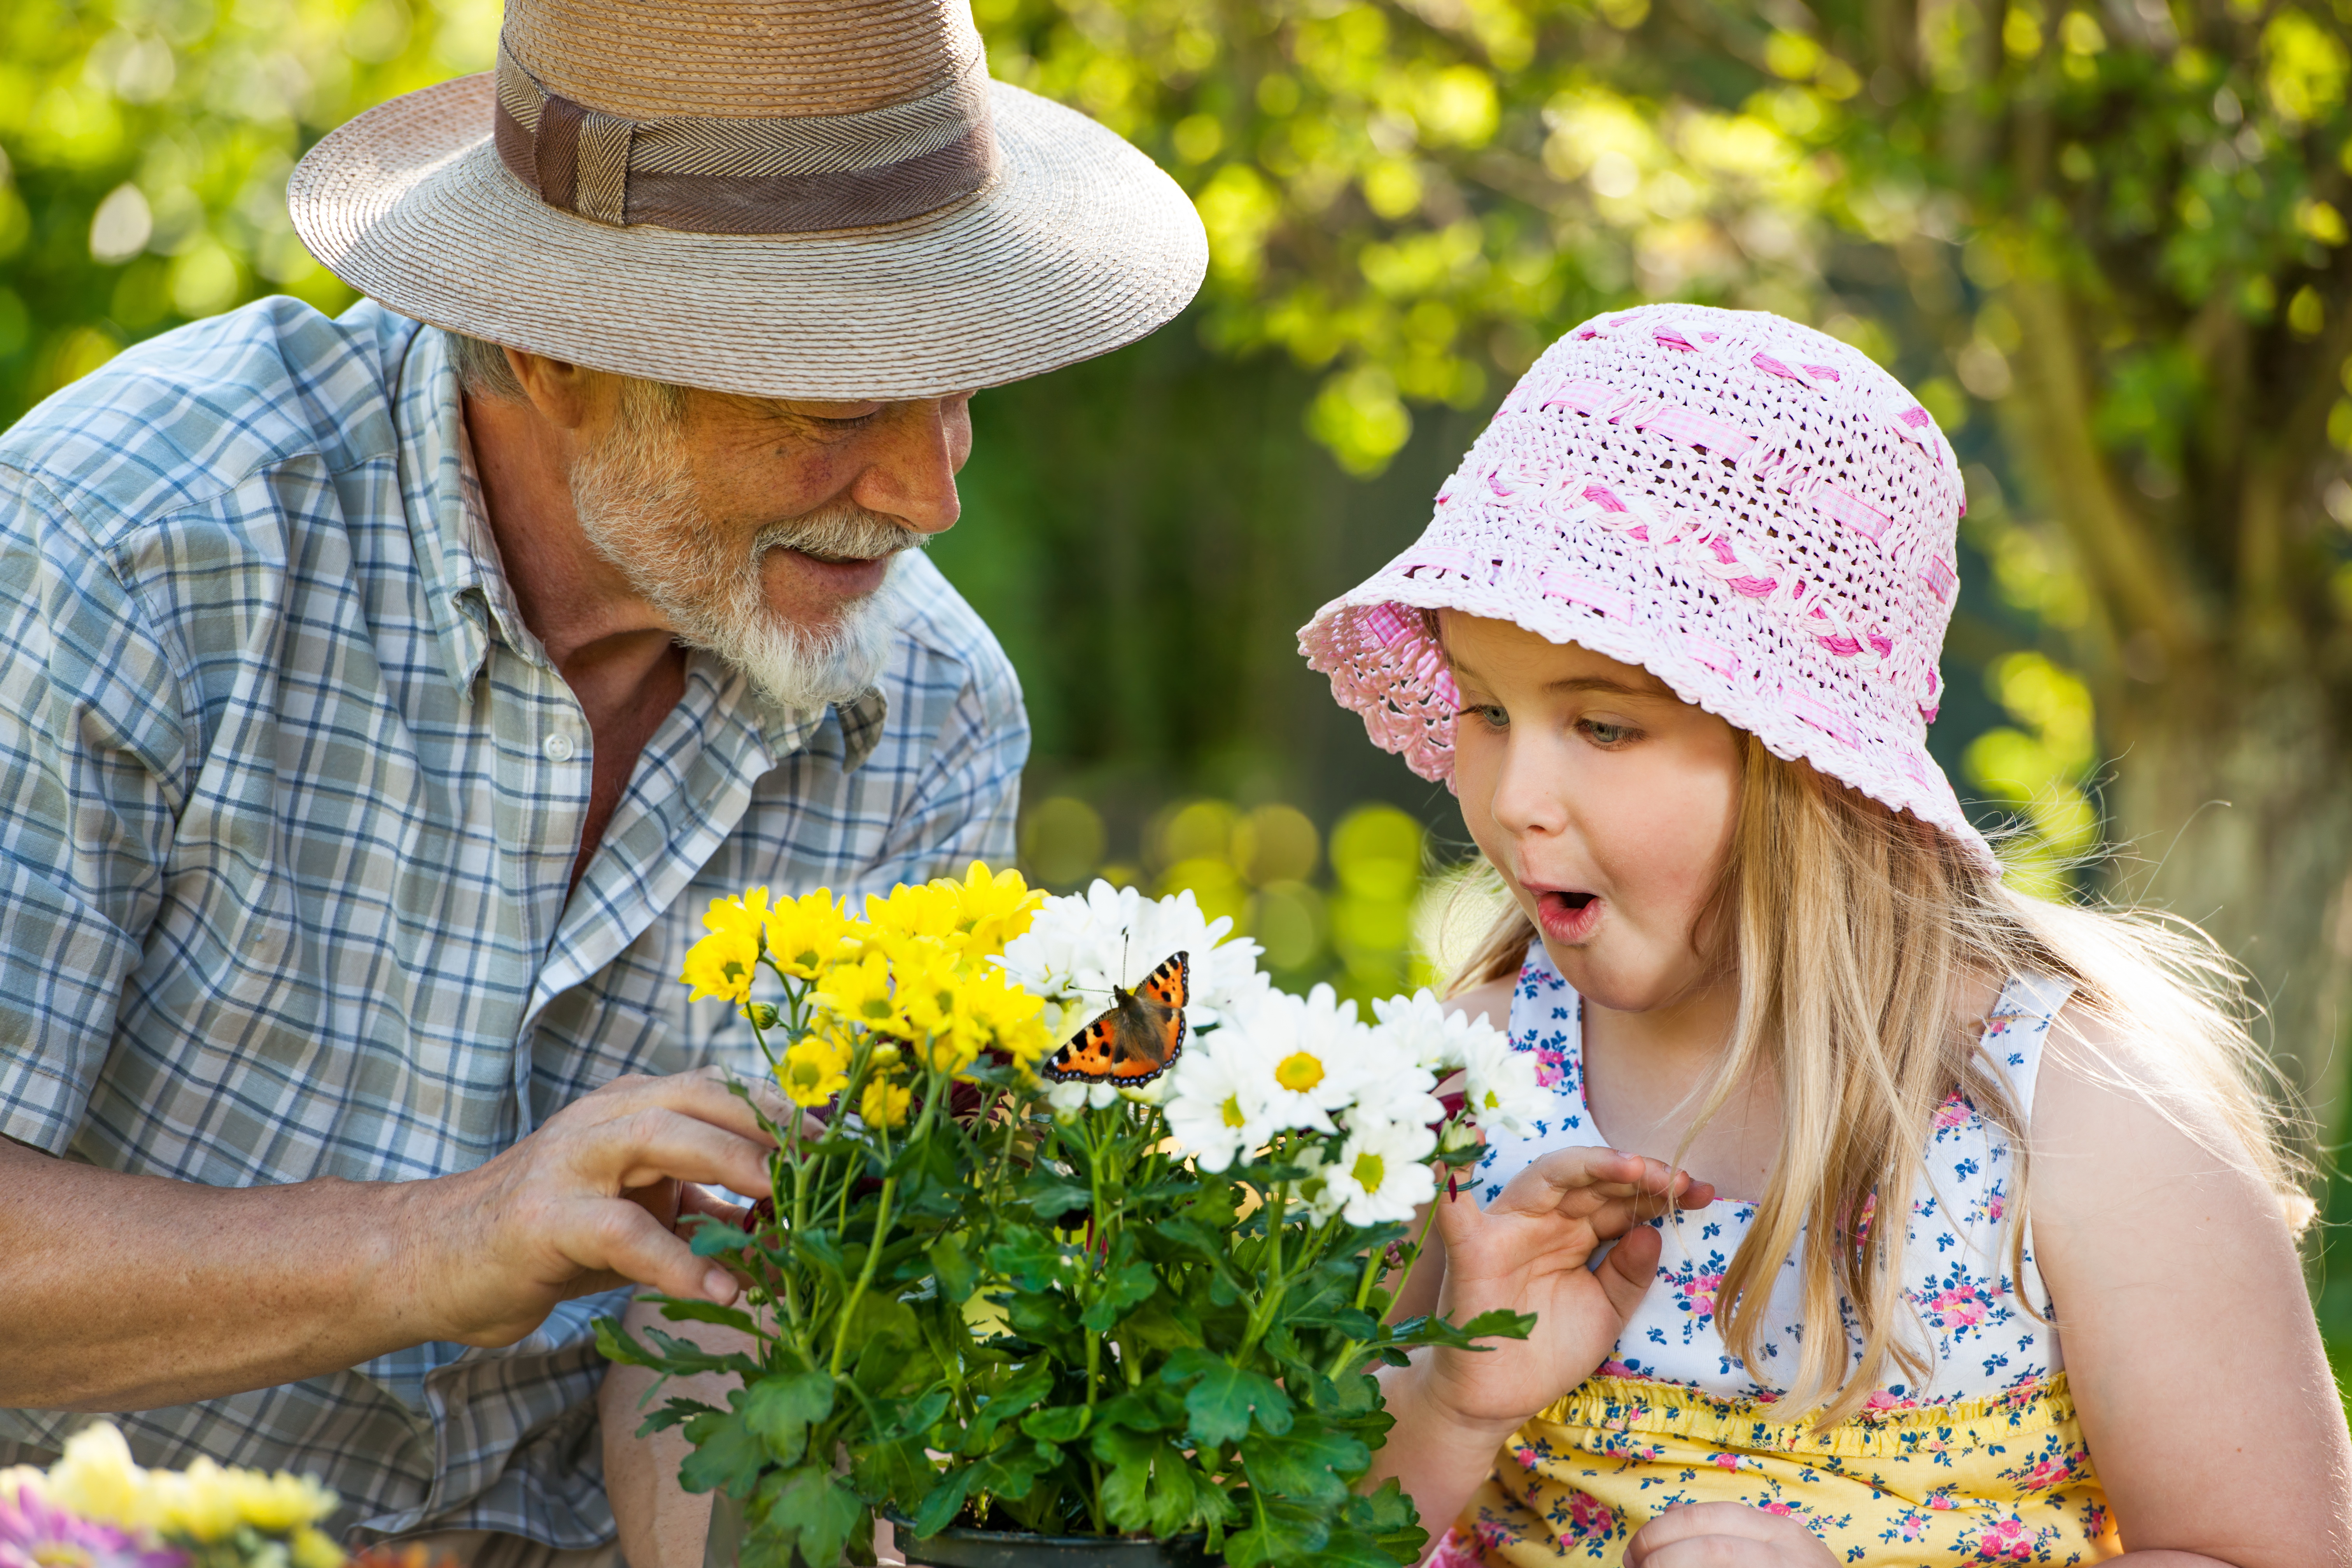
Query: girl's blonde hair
[[1852, 928]]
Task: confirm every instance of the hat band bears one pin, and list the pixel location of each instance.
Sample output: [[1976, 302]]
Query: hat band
[[779, 174]]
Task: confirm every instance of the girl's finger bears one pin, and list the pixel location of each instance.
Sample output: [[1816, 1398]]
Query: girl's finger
[[1625, 1275], [1701, 1532]]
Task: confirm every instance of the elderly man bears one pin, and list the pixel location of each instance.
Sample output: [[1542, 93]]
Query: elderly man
[[380, 708]]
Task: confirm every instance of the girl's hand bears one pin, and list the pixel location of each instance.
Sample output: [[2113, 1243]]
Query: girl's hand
[[1725, 1535], [1528, 1252]]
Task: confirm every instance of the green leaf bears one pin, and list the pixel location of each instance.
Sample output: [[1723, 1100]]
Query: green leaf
[[782, 1409], [1155, 1488], [615, 1344], [673, 1412], [728, 1457], [1060, 1424], [1354, 1324], [958, 1274], [945, 1500], [712, 1236], [684, 1358], [917, 1416], [807, 1509], [679, 1312], [1221, 1398], [1388, 1516], [1126, 1286], [1309, 1464], [1433, 1331], [1049, 1195], [1290, 1532], [1028, 1258]]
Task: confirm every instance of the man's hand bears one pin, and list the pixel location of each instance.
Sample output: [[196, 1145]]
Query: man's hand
[[1528, 1251], [586, 1203], [1726, 1535]]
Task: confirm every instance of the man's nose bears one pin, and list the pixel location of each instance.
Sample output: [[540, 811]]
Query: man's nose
[[911, 473]]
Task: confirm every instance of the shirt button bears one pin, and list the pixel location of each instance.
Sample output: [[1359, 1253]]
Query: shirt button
[[558, 747]]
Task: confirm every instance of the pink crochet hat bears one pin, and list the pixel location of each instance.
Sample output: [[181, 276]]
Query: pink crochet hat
[[1746, 508]]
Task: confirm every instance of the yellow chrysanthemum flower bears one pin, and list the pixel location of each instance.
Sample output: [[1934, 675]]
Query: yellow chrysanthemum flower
[[97, 1478], [723, 964], [860, 992], [1013, 1019], [884, 1103], [993, 908], [806, 933], [914, 910], [315, 1549], [815, 1069]]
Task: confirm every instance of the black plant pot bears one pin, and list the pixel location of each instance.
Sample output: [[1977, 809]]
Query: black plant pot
[[1019, 1549]]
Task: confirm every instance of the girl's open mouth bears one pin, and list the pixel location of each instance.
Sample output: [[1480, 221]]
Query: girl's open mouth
[[1568, 917]]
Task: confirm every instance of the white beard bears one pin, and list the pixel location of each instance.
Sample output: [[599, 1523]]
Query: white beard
[[635, 501]]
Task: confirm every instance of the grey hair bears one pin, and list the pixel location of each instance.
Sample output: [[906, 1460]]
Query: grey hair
[[483, 370]]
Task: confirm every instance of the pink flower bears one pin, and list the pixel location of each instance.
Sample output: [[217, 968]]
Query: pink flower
[[1615, 1368], [1728, 1461], [1880, 1400], [1785, 1510], [33, 1534], [1587, 1516], [1958, 1306], [1526, 1456], [1453, 1551], [2006, 1541], [1698, 1293], [1953, 1113], [1993, 1207]]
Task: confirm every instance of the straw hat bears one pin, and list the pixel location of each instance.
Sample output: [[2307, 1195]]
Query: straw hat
[[810, 198]]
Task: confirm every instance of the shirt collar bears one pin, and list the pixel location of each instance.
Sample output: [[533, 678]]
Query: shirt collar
[[465, 581]]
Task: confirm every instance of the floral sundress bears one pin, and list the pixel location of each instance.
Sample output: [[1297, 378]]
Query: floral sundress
[[1983, 1463]]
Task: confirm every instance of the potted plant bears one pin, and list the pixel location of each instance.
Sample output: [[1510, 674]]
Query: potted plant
[[1138, 1279]]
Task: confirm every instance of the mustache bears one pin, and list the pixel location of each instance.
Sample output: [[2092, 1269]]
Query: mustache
[[844, 532]]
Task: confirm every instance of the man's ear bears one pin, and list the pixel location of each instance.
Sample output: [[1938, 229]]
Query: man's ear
[[562, 393]]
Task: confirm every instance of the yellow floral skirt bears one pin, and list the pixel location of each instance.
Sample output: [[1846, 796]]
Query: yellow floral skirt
[[2004, 1480]]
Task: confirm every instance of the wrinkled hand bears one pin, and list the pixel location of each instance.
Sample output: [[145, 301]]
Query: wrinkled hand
[[1528, 1252], [1726, 1535], [588, 1202]]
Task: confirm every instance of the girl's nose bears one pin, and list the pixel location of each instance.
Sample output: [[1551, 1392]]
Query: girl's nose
[[1527, 797]]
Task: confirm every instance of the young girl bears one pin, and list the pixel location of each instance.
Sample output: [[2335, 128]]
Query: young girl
[[1884, 1215]]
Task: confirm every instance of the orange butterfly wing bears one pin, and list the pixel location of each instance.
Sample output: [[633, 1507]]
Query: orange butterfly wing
[[1169, 984], [1133, 1042], [1087, 1056]]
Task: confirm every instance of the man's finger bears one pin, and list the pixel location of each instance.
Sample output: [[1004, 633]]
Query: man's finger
[[702, 1094], [613, 1237], [654, 1142]]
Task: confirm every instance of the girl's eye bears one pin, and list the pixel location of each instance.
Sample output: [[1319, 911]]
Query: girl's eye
[[1606, 733], [1492, 715]]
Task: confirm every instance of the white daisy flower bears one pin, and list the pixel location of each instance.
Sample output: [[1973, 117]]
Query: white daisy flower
[[1218, 1101], [1382, 1173], [1080, 945], [1434, 1035], [1501, 1088], [1392, 1085], [1068, 1099], [1312, 1048]]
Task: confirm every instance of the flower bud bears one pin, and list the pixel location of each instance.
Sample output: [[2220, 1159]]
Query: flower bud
[[761, 1014]]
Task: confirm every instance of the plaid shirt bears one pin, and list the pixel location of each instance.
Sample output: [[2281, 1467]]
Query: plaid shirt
[[289, 802]]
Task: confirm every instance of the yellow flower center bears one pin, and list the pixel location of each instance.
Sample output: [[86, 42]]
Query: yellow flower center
[[876, 1007], [1232, 1110], [1299, 1071], [1371, 1169]]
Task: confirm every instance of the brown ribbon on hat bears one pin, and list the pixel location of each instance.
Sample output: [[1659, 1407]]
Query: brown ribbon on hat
[[777, 175]]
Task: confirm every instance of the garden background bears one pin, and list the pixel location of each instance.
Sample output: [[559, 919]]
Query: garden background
[[2105, 240]]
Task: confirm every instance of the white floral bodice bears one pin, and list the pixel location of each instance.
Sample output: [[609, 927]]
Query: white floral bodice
[[1970, 1313]]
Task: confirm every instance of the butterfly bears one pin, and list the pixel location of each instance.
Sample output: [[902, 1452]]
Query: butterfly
[[1134, 1041]]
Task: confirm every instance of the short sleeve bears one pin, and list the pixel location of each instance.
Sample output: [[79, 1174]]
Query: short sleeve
[[92, 747]]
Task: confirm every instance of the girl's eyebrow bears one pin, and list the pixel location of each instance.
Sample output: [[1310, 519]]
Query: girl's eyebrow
[[1608, 684]]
